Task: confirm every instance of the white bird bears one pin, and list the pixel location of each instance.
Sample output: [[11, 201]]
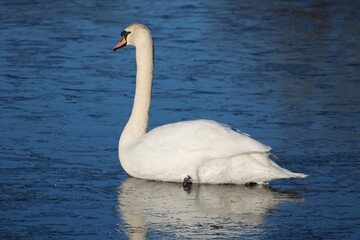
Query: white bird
[[198, 151]]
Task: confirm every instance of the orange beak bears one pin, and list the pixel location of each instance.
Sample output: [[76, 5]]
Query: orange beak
[[120, 44]]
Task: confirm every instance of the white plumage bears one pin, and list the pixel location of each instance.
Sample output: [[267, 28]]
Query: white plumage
[[204, 150]]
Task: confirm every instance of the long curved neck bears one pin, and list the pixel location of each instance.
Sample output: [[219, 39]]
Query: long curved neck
[[138, 122]]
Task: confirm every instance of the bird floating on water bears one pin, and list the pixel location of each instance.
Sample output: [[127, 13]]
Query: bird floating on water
[[197, 151]]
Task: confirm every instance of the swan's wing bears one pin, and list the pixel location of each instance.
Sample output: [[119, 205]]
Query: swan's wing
[[207, 138]]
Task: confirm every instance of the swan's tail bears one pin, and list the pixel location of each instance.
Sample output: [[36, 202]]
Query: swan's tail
[[288, 174], [297, 175]]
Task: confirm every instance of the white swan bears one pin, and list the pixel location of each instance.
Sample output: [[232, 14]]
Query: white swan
[[200, 151]]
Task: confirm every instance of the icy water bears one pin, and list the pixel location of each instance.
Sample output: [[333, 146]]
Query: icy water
[[285, 72]]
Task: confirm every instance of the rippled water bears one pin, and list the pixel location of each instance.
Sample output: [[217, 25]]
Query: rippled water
[[286, 72]]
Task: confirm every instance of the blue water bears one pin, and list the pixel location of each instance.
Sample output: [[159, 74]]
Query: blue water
[[285, 72]]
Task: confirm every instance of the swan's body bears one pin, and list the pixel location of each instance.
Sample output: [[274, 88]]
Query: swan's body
[[202, 150]]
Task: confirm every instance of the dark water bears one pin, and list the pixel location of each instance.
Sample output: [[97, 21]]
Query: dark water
[[286, 72]]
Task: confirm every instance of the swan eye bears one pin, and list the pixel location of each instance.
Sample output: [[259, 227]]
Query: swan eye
[[125, 34]]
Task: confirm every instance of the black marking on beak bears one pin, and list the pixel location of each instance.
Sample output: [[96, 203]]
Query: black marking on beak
[[125, 34]]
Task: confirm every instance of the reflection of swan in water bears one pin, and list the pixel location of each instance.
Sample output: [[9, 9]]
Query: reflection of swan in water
[[204, 212]]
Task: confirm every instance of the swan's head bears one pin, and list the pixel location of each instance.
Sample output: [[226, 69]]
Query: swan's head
[[134, 35]]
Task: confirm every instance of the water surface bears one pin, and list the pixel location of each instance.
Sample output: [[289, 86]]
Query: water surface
[[287, 73]]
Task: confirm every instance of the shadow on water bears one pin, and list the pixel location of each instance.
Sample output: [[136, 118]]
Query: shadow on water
[[152, 209]]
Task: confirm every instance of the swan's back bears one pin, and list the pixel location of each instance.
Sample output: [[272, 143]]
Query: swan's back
[[211, 138]]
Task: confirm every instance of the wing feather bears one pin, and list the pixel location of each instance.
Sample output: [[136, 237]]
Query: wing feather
[[211, 138]]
